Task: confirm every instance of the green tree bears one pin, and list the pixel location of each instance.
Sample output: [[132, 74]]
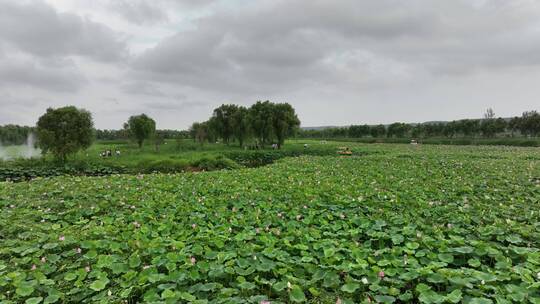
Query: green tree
[[14, 134], [467, 127], [222, 121], [140, 127], [397, 129], [378, 131], [450, 128], [240, 125], [260, 118], [64, 131], [200, 131], [284, 122], [513, 125], [530, 123], [159, 139], [356, 131], [490, 127]]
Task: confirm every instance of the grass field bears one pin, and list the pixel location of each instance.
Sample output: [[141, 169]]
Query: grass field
[[189, 150], [394, 224]]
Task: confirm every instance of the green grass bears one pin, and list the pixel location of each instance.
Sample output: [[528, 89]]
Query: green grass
[[393, 224], [461, 141], [187, 150]]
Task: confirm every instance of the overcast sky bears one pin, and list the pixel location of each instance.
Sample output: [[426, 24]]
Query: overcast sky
[[338, 62]]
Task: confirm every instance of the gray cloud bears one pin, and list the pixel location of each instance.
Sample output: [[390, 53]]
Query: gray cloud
[[142, 88], [283, 44], [38, 29], [139, 11], [52, 75], [175, 105]]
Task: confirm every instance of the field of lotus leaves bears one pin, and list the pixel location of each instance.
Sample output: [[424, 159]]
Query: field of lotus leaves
[[395, 224]]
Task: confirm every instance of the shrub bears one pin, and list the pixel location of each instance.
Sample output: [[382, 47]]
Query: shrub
[[215, 163], [162, 165]]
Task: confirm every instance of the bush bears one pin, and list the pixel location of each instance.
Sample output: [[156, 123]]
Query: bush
[[162, 165], [215, 163]]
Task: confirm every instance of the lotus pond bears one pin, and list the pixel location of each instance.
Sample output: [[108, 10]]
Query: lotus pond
[[397, 224]]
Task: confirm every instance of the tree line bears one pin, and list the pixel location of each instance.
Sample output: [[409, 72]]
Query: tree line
[[123, 134], [67, 130], [527, 125], [261, 124], [14, 134]]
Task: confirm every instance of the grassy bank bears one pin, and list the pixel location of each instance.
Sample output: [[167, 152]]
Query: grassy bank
[[171, 157]]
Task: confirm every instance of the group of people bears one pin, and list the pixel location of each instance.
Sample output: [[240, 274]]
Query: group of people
[[109, 153]]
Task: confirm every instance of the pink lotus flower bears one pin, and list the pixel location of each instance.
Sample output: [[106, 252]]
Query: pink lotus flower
[[338, 301], [87, 268], [61, 238], [305, 207], [381, 274], [78, 250], [193, 260], [193, 226], [265, 302], [34, 267], [43, 259]]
